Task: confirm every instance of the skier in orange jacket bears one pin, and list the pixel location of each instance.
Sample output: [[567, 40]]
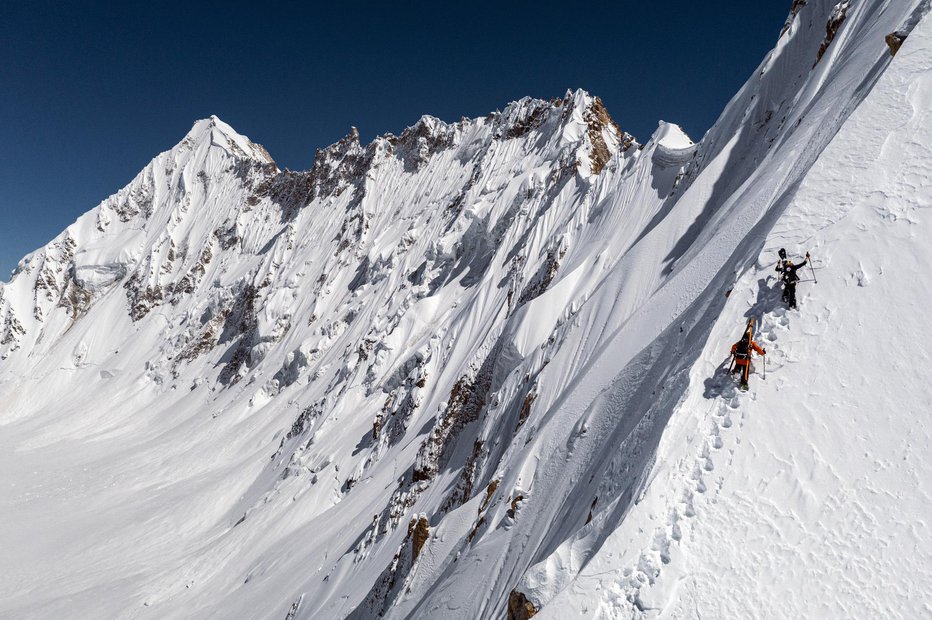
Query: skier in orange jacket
[[741, 352]]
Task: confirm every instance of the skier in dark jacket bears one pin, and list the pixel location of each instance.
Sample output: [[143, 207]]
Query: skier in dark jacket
[[788, 276]]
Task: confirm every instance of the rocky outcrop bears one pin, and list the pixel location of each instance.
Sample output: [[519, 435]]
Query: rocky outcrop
[[390, 583], [340, 164], [141, 298], [54, 271], [524, 116], [400, 405], [519, 607], [239, 327], [336, 168], [894, 41], [137, 201], [525, 412], [418, 143], [544, 276], [226, 235], [598, 122], [418, 532], [12, 330], [75, 299], [463, 490], [190, 280], [205, 338], [467, 400], [831, 28], [794, 10]]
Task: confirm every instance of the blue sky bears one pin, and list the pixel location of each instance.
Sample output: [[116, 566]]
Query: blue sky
[[90, 92]]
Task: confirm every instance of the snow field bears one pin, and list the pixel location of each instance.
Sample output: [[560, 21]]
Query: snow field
[[468, 326], [805, 497]]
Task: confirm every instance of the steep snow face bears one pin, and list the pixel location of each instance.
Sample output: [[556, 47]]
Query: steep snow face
[[472, 367], [806, 497], [228, 352]]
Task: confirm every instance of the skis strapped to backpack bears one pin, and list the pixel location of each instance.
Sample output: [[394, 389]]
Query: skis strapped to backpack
[[744, 345], [743, 351]]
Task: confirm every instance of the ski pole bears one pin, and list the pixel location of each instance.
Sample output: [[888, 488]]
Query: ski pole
[[765, 366], [812, 270]]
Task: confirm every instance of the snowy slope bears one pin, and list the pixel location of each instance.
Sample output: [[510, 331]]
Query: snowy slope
[[810, 496], [477, 365]]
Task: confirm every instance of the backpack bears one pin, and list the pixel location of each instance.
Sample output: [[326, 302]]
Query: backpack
[[789, 273], [743, 350]]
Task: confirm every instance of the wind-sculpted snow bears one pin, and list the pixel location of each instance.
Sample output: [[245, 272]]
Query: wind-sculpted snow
[[438, 375]]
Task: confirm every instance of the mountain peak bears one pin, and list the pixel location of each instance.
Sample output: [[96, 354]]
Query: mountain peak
[[214, 132], [672, 136], [495, 342]]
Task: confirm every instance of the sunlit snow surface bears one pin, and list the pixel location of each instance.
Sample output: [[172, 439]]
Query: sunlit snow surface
[[809, 496], [541, 301]]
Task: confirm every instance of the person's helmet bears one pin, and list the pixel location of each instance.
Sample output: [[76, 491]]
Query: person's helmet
[[789, 263], [782, 252]]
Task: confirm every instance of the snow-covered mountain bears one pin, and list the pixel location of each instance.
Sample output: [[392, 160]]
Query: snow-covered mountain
[[479, 369]]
